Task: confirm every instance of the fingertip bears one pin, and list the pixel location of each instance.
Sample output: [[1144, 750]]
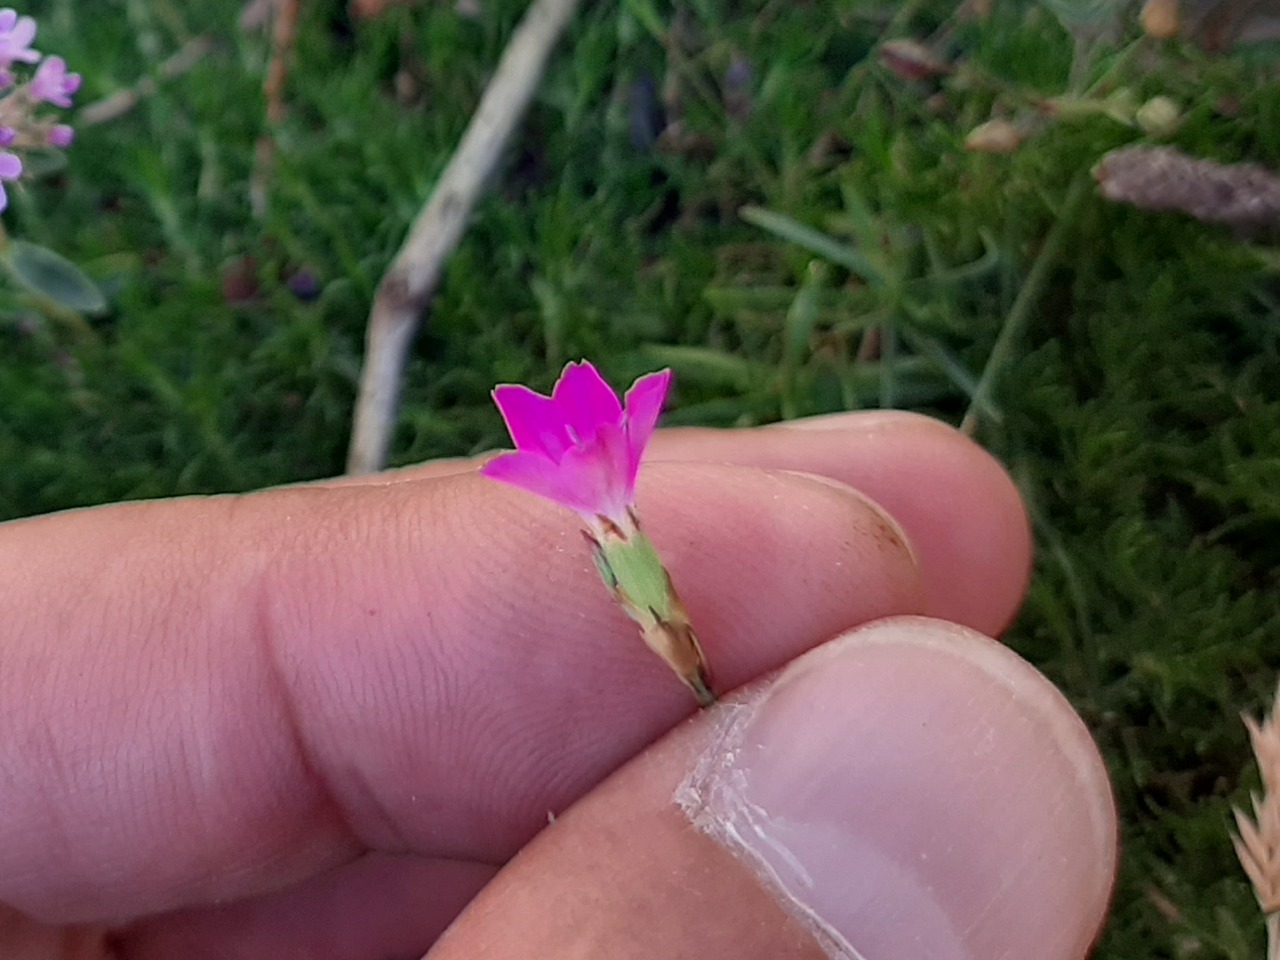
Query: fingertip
[[960, 509], [787, 558], [968, 516]]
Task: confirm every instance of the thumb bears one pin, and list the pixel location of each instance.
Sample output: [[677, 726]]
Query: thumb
[[910, 790]]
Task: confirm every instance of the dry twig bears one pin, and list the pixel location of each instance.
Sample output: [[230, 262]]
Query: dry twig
[[410, 282], [122, 101], [284, 29], [1258, 841]]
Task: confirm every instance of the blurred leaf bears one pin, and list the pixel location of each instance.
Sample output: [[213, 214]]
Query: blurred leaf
[[950, 365], [41, 163], [647, 15], [708, 365], [1084, 14], [801, 319], [815, 241], [53, 276], [802, 315]]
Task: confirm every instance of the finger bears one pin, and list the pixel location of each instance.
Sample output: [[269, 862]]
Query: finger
[[959, 508], [205, 700], [910, 790], [431, 470], [956, 504], [379, 906]]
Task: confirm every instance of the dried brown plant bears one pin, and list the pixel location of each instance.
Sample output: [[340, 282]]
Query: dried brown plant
[[1258, 841], [1243, 196]]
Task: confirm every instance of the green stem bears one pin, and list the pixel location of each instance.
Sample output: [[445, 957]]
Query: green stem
[[1019, 318]]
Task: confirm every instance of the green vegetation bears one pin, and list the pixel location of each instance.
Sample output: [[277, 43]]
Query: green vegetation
[[1138, 404]]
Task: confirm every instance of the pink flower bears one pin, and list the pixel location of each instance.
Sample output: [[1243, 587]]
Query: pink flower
[[60, 135], [16, 34], [10, 169], [579, 447], [53, 84]]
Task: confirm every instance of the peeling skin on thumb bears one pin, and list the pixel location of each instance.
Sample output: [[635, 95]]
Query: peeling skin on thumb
[[714, 798]]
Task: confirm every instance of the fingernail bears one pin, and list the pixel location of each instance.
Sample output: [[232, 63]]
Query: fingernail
[[915, 790], [893, 531]]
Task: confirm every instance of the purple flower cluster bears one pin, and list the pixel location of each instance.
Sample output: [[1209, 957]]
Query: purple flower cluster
[[21, 128]]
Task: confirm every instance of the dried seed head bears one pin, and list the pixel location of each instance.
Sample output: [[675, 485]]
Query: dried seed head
[[1242, 195], [1257, 841]]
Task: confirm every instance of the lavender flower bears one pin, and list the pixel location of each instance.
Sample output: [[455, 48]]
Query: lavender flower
[[10, 169], [23, 127], [16, 34], [53, 84]]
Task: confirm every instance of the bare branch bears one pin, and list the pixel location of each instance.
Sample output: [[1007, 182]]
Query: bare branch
[[410, 282]]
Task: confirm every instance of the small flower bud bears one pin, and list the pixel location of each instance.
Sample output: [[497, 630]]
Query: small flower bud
[[10, 169], [304, 285], [994, 136], [1158, 117], [60, 135], [911, 60], [1161, 19]]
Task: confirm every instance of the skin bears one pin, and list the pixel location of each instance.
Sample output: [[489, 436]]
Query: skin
[[316, 721]]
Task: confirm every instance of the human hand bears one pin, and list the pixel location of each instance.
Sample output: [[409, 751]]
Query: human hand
[[316, 721]]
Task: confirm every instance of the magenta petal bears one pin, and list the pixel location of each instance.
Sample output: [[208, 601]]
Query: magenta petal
[[599, 476], [24, 31], [585, 401], [534, 421], [589, 482], [15, 43], [582, 482], [534, 474], [579, 448], [644, 404]]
